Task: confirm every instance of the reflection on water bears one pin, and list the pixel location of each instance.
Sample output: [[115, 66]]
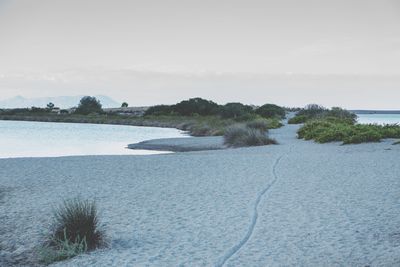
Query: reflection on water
[[46, 139]]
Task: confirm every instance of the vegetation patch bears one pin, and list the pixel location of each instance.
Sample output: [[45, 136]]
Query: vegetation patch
[[332, 129], [271, 111], [76, 230], [314, 111], [260, 124], [240, 135]]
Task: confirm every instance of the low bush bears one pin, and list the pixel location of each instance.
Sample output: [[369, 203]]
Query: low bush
[[342, 114], [298, 119], [241, 136], [271, 111], [314, 111], [76, 229], [363, 135], [333, 129], [196, 106], [235, 110], [159, 110]]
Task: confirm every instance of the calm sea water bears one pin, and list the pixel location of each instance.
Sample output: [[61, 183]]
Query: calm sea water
[[46, 139], [379, 118]]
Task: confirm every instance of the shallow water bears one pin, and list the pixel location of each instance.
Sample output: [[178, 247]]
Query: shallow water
[[379, 118], [47, 139]]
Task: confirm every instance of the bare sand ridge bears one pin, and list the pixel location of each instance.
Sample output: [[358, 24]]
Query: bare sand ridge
[[293, 204]]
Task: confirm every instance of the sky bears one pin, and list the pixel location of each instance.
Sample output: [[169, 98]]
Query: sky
[[333, 52]]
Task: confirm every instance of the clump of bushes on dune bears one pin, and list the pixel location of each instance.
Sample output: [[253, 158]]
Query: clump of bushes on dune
[[314, 111], [329, 125], [298, 119], [343, 130], [240, 135], [271, 111], [76, 230]]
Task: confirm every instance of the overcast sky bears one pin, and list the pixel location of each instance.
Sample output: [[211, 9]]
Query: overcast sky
[[290, 52]]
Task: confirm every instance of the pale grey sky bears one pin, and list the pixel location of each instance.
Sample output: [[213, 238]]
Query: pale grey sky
[[291, 52]]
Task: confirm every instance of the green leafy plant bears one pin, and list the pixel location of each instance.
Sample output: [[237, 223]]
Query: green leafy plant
[[271, 111], [335, 129]]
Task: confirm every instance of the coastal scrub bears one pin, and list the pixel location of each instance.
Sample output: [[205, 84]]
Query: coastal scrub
[[333, 129]]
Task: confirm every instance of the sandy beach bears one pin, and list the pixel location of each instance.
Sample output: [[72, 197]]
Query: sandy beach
[[294, 204]]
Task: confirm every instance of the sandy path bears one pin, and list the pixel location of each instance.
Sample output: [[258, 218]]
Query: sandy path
[[294, 204]]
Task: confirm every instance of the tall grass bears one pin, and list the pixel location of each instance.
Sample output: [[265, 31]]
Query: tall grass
[[76, 229], [241, 136]]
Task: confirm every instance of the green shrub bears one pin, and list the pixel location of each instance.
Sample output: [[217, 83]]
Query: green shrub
[[159, 110], [271, 111], [363, 136], [235, 110], [343, 114], [314, 111], [197, 106], [298, 119], [76, 230], [335, 129], [391, 131], [241, 136]]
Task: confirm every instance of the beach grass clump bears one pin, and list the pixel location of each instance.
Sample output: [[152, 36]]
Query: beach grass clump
[[260, 124], [240, 135], [76, 230], [344, 130]]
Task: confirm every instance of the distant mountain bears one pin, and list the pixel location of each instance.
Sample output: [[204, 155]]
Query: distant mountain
[[59, 101]]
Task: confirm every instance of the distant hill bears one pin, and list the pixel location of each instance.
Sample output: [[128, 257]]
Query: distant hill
[[59, 101]]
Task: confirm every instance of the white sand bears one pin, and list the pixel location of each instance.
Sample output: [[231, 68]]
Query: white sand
[[293, 204]]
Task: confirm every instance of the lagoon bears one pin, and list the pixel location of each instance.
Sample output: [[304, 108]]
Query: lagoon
[[378, 118], [49, 139]]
